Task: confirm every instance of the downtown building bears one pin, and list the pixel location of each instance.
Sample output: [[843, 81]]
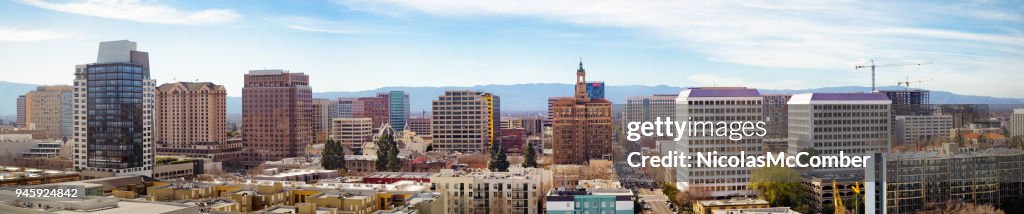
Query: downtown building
[[22, 112], [465, 121], [324, 110], [1017, 123], [715, 105], [420, 126], [921, 128], [114, 103], [649, 108], [375, 108], [277, 115], [520, 190], [352, 133], [190, 113], [830, 123], [909, 102], [581, 126], [923, 181], [49, 108], [191, 120], [398, 109]]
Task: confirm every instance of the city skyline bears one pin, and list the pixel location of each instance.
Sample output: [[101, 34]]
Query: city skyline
[[348, 45]]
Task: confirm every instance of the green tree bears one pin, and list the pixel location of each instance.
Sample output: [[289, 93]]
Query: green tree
[[778, 185], [1016, 142], [333, 156], [530, 157], [499, 160], [394, 164], [327, 156], [384, 144]]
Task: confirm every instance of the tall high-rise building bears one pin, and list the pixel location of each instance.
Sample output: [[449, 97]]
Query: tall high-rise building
[[22, 112], [909, 102], [113, 103], [581, 126], [346, 106], [375, 108], [48, 108], [853, 123], [716, 105], [352, 132], [776, 115], [465, 121], [398, 109], [648, 108], [323, 111], [1017, 123], [277, 111], [190, 113], [963, 114]]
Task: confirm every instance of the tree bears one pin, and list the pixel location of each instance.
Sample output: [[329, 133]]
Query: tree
[[499, 161], [394, 164], [778, 185], [1016, 142], [333, 157], [384, 144], [530, 157]]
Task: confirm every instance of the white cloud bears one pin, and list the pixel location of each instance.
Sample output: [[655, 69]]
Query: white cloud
[[788, 34], [138, 11], [10, 34], [820, 35], [705, 80], [320, 26]]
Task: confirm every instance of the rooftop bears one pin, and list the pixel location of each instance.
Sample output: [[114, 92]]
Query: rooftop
[[733, 202], [840, 98], [720, 92]]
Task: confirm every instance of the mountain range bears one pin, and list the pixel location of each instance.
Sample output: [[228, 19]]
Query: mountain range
[[532, 97]]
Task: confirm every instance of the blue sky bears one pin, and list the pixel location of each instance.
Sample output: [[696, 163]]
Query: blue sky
[[974, 47]]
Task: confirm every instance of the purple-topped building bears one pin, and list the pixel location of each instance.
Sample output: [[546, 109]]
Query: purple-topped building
[[852, 123], [717, 104]]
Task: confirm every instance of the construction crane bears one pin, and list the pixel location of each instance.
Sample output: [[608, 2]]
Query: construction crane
[[873, 66], [906, 83], [837, 201]]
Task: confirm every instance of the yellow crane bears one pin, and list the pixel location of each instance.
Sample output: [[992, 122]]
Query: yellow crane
[[907, 82], [837, 201], [872, 66]]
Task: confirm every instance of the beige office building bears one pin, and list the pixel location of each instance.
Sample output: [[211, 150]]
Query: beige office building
[[190, 113], [352, 132], [48, 108], [465, 121], [1017, 123]]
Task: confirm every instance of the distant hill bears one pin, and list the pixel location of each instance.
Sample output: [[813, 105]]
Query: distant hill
[[527, 97], [533, 97]]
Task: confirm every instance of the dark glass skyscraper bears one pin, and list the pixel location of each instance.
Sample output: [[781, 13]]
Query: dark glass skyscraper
[[114, 112]]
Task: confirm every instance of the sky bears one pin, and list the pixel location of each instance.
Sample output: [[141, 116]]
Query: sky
[[969, 47]]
